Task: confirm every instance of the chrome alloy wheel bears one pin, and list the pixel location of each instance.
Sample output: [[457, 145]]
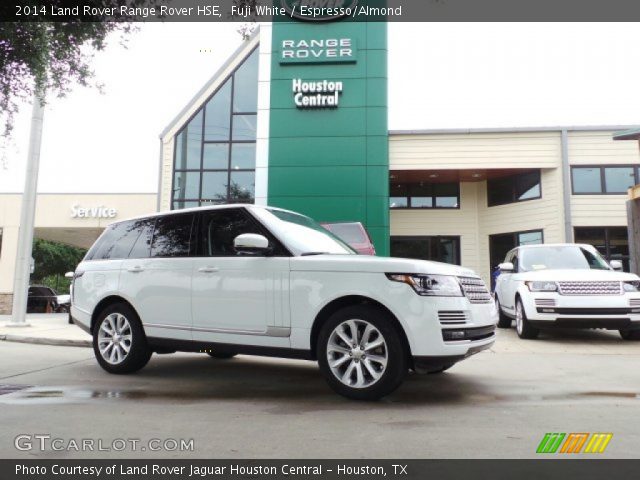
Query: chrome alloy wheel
[[357, 353], [519, 317], [114, 338]]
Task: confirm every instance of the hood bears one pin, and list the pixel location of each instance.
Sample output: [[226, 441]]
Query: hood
[[367, 263], [576, 275]]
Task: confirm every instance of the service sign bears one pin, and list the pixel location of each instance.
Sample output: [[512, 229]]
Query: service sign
[[318, 50], [93, 212]]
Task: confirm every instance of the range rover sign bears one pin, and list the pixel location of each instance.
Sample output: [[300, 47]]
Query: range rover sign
[[319, 10]]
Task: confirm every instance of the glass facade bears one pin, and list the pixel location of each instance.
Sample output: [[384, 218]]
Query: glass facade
[[599, 180], [436, 248], [424, 195], [514, 188], [611, 242], [215, 152]]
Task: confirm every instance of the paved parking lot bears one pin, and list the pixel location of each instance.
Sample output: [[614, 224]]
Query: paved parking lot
[[499, 403]]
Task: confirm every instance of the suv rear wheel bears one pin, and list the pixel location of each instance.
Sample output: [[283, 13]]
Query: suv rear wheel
[[119, 342], [361, 354]]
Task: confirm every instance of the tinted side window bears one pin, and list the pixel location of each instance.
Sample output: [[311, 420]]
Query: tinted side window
[[124, 236], [142, 245], [103, 248], [220, 227], [172, 236]]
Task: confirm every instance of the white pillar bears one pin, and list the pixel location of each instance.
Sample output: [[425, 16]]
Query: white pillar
[[27, 218]]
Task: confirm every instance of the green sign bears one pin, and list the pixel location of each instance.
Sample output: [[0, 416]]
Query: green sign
[[318, 50], [328, 133]]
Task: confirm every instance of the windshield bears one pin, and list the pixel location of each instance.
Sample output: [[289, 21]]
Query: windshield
[[563, 257], [309, 237]]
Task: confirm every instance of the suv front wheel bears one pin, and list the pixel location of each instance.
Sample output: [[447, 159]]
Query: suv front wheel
[[361, 354], [119, 342], [523, 327]]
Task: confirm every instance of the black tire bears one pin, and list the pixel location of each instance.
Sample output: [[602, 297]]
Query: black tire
[[630, 334], [440, 369], [526, 330], [139, 351], [396, 355], [503, 320], [221, 355]]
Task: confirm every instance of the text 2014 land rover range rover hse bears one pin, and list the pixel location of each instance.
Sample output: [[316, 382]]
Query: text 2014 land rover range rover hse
[[264, 281]]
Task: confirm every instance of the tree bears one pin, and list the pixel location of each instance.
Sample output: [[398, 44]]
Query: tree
[[54, 258], [47, 57]]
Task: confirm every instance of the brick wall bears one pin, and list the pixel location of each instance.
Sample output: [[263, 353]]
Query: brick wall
[[6, 300]]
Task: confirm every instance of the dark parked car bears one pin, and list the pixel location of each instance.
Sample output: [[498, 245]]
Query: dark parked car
[[42, 299]]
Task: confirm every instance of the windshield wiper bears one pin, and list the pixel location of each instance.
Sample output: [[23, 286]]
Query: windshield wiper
[[308, 254]]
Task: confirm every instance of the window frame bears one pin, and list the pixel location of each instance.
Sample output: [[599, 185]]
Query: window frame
[[192, 244], [433, 206], [515, 236], [607, 240], [198, 229], [514, 179], [229, 143], [603, 184], [455, 238]]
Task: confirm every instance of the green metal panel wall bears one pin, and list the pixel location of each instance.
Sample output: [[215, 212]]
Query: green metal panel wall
[[333, 163]]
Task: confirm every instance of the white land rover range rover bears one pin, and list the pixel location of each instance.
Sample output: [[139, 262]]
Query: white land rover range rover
[[566, 285], [264, 281]]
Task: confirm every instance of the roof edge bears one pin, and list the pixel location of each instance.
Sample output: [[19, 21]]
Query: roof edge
[[632, 134], [209, 82], [573, 128]]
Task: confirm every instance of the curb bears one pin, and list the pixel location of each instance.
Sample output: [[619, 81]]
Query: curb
[[60, 342]]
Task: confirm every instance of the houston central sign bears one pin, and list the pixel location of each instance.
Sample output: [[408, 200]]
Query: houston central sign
[[323, 94]]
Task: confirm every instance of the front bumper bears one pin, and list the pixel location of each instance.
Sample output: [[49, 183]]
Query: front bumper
[[613, 312], [427, 364], [446, 326]]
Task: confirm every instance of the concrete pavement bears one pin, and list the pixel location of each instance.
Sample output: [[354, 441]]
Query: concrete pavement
[[45, 329], [498, 404]]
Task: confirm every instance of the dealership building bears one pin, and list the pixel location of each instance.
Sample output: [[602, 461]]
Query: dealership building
[[297, 118]]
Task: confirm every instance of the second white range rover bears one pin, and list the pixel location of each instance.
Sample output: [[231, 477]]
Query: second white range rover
[[566, 285], [263, 281]]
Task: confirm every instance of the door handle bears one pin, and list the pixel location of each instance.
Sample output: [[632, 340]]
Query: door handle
[[208, 269], [136, 269]]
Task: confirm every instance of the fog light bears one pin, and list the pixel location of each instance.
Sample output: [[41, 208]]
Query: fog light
[[548, 310], [453, 334]]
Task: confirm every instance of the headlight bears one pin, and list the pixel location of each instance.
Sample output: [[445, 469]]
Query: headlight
[[632, 286], [542, 286], [429, 285]]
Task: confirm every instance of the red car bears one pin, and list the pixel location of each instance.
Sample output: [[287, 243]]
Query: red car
[[354, 234]]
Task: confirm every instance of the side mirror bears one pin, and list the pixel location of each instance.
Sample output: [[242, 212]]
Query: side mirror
[[506, 267], [251, 244], [69, 275], [616, 265]]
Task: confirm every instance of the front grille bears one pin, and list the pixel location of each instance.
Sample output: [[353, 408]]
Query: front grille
[[475, 290], [452, 317], [634, 302], [545, 302], [590, 288]]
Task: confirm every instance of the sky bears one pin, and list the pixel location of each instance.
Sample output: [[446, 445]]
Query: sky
[[441, 75]]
